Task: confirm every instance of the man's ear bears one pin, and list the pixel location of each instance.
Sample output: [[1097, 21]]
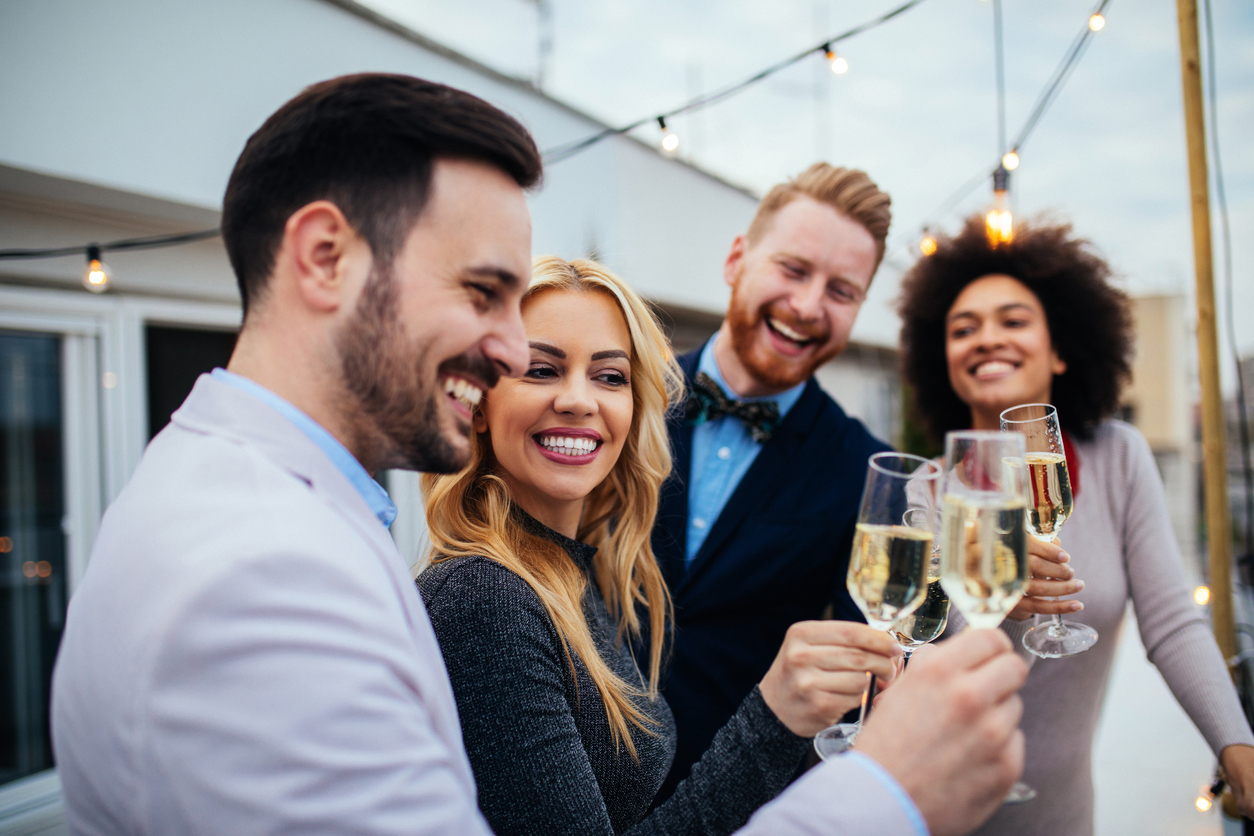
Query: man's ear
[[321, 251], [731, 267]]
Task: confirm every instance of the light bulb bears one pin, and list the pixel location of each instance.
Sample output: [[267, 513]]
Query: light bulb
[[839, 65], [1201, 595], [1203, 803], [96, 275], [1000, 226], [670, 140], [1010, 160], [1096, 21], [998, 222], [927, 245]]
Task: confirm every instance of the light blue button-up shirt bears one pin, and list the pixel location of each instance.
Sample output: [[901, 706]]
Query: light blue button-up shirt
[[722, 452], [371, 491]]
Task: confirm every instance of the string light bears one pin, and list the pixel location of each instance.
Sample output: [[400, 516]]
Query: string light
[[1010, 160], [1201, 595], [96, 275], [927, 245], [1207, 795], [998, 222], [670, 139], [1097, 21], [839, 65]]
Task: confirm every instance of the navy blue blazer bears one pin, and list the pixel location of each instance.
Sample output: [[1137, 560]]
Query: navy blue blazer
[[777, 554]]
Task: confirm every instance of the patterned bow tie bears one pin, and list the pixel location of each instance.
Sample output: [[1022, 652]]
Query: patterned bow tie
[[708, 401]]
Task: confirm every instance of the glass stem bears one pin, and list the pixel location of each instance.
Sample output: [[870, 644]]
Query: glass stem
[[866, 695], [1056, 628]]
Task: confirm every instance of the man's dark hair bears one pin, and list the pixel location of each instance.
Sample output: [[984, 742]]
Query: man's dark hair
[[1090, 321], [368, 143]]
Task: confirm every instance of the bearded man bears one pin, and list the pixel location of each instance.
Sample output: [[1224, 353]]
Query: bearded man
[[246, 652], [756, 522]]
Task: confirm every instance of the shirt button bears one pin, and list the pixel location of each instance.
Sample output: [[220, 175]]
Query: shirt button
[[699, 522], [724, 453]]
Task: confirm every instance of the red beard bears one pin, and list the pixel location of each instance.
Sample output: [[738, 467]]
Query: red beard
[[767, 367]]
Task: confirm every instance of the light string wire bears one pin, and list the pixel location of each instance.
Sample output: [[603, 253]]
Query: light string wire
[[1047, 96], [564, 152], [148, 243], [999, 56], [1226, 238]]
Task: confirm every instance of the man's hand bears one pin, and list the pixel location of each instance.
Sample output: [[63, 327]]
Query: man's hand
[[949, 730], [820, 672], [1051, 577], [1238, 764]]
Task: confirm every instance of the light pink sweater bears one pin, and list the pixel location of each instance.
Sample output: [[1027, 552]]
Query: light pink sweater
[[1121, 544]]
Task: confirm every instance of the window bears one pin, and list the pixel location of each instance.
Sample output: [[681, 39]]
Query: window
[[175, 358], [33, 565]]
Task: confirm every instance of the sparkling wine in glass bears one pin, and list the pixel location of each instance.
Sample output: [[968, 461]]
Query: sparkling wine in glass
[[928, 621], [888, 568], [984, 552], [1049, 506]]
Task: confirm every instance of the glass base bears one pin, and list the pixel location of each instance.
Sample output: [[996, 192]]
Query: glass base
[[835, 740], [1019, 793], [1057, 641]]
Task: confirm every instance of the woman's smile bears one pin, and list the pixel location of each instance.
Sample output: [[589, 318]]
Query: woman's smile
[[569, 446]]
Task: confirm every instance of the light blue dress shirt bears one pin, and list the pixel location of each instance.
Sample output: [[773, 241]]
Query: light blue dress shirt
[[722, 452], [371, 491]]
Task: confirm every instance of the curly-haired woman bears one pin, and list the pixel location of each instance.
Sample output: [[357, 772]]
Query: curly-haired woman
[[1036, 320]]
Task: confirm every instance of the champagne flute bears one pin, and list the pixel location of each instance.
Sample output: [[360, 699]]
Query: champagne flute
[[1048, 508], [888, 569], [927, 622], [984, 551]]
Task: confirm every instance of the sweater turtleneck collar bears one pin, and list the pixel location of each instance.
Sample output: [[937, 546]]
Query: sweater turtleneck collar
[[579, 552]]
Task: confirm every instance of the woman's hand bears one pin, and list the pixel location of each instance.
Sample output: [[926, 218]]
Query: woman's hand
[[1238, 764], [820, 672], [1051, 577]]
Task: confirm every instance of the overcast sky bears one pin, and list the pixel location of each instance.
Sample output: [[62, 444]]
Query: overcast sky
[[917, 109]]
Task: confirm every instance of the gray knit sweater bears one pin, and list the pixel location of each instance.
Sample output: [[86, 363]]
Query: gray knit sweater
[[539, 740], [1121, 545]]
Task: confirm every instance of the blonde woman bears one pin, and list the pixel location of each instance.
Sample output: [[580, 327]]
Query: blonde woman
[[543, 581]]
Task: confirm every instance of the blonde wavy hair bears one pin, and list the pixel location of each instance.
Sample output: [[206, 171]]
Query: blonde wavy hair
[[468, 513]]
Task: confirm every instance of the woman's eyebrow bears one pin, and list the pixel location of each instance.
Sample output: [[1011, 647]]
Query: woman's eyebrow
[[606, 355], [551, 350], [1003, 309]]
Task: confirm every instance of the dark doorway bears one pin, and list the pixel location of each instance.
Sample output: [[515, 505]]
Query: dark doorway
[[176, 357], [32, 545]]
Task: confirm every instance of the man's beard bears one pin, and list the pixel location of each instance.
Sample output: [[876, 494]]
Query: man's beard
[[398, 413], [771, 370]]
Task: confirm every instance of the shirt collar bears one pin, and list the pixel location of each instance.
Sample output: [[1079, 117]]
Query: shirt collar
[[709, 364], [371, 491]]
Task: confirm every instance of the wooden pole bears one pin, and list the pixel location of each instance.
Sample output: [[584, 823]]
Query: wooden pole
[[1214, 455]]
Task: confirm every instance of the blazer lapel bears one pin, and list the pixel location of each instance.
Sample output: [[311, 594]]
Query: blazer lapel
[[763, 479], [671, 543]]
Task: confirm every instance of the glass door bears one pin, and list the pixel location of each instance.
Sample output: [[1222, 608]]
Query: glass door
[[33, 576]]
